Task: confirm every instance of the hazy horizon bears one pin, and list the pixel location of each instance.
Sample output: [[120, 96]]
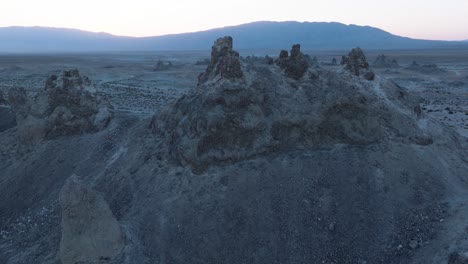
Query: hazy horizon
[[434, 20]]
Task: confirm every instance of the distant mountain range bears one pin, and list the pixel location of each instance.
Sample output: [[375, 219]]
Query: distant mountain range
[[256, 35]]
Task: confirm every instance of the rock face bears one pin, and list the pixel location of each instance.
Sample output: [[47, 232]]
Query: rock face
[[68, 105], [383, 61], [295, 65], [357, 64], [90, 232], [224, 61], [238, 120]]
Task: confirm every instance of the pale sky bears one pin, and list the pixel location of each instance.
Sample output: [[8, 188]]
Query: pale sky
[[428, 19]]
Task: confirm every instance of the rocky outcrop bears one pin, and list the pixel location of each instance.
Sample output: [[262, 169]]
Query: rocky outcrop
[[68, 105], [357, 64], [383, 61], [90, 232], [224, 62], [17, 99], [230, 120], [312, 61], [295, 65]]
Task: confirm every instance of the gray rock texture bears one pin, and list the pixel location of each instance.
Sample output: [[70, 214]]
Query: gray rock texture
[[236, 120], [90, 232], [295, 65], [224, 61], [68, 105]]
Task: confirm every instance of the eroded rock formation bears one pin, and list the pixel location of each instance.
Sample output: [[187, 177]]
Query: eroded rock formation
[[229, 121], [90, 232], [68, 105], [357, 64], [224, 62]]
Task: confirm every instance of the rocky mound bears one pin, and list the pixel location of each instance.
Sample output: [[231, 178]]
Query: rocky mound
[[68, 105], [383, 61], [357, 64], [264, 112], [296, 65]]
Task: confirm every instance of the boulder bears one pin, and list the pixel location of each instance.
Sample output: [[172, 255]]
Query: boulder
[[90, 232], [224, 62], [357, 64], [295, 65]]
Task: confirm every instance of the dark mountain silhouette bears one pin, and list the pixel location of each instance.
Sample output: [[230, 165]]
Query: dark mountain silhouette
[[256, 35]]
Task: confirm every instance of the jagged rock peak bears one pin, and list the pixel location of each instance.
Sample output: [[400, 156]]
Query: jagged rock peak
[[295, 65], [357, 64], [224, 62]]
